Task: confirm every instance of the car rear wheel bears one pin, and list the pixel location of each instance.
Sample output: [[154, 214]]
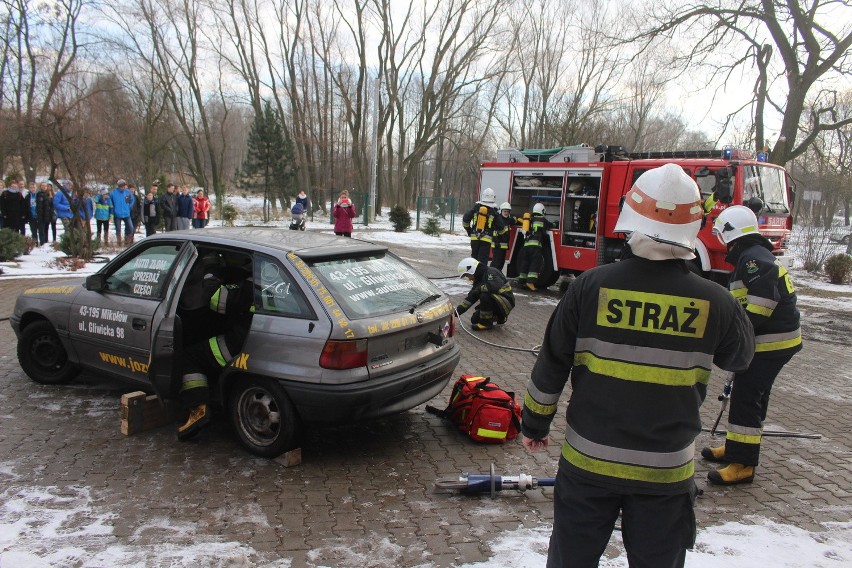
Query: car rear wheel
[[263, 416], [43, 357]]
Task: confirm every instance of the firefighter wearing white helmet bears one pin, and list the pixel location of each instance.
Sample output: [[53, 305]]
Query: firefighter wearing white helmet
[[532, 257], [491, 293], [482, 223], [665, 205], [638, 340], [500, 244], [763, 287]]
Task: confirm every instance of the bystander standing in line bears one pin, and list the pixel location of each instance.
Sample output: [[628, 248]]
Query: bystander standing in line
[[150, 213], [103, 211], [62, 205], [123, 201], [31, 205], [169, 208], [201, 209], [13, 208], [185, 209]]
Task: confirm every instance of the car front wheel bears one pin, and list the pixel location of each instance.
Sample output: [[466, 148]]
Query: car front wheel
[[263, 416], [43, 357]]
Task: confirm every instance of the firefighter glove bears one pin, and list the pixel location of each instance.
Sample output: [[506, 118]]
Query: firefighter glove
[[461, 309]]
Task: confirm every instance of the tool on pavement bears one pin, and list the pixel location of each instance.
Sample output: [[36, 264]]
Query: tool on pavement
[[723, 398], [726, 395], [470, 483]]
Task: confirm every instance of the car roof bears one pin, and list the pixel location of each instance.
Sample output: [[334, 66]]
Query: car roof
[[308, 245]]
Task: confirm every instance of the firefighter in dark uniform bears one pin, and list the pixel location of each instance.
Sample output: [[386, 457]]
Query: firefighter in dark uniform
[[532, 257], [763, 287], [482, 222], [638, 339], [491, 289], [500, 245], [216, 307]]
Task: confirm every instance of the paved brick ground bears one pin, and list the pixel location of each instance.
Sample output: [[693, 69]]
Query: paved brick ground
[[364, 491]]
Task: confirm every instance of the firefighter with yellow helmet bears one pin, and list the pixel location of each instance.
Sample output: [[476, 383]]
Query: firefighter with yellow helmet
[[482, 223], [763, 286], [638, 339]]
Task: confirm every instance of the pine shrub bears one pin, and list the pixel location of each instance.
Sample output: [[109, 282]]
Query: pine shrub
[[432, 227], [838, 268], [400, 218], [12, 245], [229, 214]]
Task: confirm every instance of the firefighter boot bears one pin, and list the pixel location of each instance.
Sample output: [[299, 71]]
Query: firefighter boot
[[479, 326], [531, 286], [714, 454], [199, 417], [732, 474]]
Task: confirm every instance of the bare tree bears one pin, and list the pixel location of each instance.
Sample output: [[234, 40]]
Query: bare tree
[[789, 47], [429, 71]]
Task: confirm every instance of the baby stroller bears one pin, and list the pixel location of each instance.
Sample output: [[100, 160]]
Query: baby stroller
[[297, 217]]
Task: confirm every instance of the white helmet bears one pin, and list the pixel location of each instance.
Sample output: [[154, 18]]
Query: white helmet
[[467, 266], [505, 206], [735, 222], [664, 204], [538, 208], [487, 197]]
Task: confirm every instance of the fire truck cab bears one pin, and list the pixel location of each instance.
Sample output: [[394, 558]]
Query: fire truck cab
[[582, 189]]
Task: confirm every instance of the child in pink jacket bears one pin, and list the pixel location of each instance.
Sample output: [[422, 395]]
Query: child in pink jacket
[[343, 213]]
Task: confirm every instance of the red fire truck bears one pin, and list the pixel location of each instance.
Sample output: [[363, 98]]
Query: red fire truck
[[582, 189]]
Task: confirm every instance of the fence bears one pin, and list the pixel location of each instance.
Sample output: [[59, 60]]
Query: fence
[[441, 208]]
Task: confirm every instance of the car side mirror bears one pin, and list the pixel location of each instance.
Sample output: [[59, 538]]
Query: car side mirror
[[96, 282]]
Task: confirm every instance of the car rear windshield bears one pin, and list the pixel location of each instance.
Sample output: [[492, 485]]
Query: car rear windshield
[[374, 285]]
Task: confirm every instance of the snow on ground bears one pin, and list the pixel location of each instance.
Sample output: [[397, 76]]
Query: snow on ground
[[41, 527], [52, 527]]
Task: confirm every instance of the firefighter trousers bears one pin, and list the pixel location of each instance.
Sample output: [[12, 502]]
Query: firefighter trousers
[[749, 404], [498, 257], [530, 262], [480, 249], [656, 529]]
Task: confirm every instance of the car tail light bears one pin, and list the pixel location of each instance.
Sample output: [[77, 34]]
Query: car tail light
[[452, 325], [344, 354]]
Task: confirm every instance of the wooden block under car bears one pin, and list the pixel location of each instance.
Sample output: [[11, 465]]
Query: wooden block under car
[[291, 458], [141, 412]]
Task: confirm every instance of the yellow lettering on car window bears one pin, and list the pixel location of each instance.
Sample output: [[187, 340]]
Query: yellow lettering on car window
[[652, 313], [321, 290]]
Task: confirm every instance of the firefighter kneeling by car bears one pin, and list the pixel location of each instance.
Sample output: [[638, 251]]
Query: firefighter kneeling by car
[[216, 307], [491, 289]]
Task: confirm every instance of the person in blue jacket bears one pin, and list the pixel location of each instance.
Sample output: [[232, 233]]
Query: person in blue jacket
[[123, 201], [103, 211], [61, 204], [184, 209]]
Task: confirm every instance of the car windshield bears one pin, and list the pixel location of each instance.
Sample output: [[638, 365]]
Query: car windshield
[[767, 183], [373, 285]]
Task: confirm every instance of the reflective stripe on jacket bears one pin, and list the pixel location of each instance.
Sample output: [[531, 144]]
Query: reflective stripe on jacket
[[764, 288], [638, 339]]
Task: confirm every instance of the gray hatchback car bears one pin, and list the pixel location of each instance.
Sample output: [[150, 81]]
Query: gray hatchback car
[[340, 330]]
